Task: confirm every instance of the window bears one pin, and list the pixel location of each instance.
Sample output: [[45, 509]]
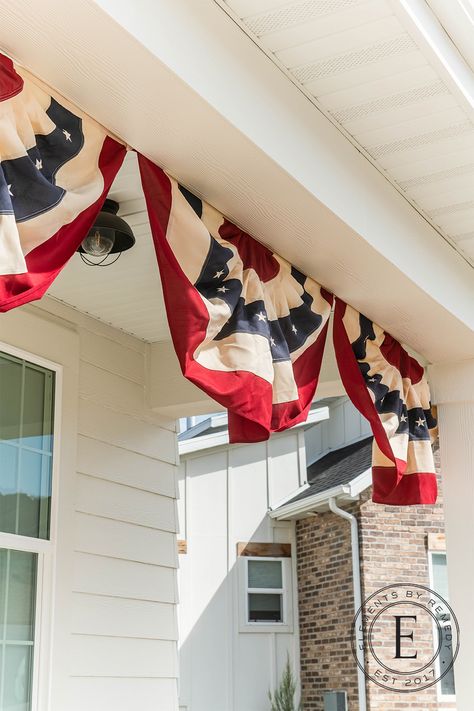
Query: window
[[439, 581], [26, 465], [265, 590], [266, 593]]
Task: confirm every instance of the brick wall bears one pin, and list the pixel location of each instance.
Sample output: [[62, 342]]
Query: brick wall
[[393, 548], [326, 608]]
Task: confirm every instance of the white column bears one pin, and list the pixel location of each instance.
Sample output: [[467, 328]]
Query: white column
[[453, 391]]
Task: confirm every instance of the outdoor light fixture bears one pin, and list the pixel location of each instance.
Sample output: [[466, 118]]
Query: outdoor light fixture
[[109, 235]]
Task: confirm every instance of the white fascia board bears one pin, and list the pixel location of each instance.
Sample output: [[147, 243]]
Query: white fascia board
[[312, 504], [218, 439], [320, 501], [235, 130]]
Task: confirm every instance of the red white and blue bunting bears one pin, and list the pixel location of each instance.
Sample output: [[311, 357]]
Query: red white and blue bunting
[[248, 328], [57, 166]]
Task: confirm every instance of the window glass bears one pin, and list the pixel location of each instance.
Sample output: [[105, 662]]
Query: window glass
[[265, 574], [265, 607], [26, 445], [17, 623]]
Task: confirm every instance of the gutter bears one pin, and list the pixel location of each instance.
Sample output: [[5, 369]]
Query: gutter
[[356, 582]]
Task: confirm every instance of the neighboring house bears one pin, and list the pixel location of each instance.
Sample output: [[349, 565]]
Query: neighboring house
[[260, 579], [238, 611], [396, 544]]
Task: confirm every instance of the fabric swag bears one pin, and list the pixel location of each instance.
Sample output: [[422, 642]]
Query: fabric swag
[[248, 328], [389, 388], [56, 168]]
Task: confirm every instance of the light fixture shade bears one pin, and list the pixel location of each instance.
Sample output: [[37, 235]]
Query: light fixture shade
[[108, 226]]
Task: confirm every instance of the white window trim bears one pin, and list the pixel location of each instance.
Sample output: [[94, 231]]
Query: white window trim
[[45, 549], [442, 698], [286, 591]]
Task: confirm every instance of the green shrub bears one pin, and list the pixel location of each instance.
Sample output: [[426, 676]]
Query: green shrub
[[284, 697]]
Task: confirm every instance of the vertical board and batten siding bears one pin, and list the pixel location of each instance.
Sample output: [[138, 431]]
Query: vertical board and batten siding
[[344, 426], [224, 497], [114, 622]]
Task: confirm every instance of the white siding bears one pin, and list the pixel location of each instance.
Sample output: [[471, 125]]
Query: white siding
[[225, 495], [114, 636], [344, 426]]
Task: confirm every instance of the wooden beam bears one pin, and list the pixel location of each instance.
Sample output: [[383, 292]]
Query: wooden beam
[[264, 550]]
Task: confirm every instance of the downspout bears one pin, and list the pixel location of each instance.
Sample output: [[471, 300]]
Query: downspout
[[357, 593]]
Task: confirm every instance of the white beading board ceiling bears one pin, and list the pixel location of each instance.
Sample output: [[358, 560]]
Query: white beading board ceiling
[[356, 61], [127, 294]]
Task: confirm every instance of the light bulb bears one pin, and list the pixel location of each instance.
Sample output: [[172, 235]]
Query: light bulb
[[97, 244]]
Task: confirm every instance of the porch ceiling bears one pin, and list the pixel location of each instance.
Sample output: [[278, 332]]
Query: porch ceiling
[[182, 83]]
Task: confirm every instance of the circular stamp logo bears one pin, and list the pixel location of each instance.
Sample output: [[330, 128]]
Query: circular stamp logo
[[405, 637]]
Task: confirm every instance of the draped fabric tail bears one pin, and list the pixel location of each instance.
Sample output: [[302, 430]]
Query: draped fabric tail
[[248, 328], [389, 388], [56, 168]]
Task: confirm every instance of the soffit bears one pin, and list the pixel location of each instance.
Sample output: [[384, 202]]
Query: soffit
[[357, 61], [127, 295]]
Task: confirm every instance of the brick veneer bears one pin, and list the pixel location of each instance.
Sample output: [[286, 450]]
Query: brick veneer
[[393, 548]]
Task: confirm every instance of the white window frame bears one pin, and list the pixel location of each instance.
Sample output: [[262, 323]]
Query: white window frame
[[286, 625], [442, 698], [44, 549]]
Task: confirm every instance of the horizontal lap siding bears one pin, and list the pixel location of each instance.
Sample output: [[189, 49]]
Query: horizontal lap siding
[[123, 606]]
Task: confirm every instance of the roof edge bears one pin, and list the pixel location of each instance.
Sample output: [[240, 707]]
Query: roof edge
[[320, 502]]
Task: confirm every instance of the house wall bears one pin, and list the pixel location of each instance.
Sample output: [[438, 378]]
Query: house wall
[[224, 497], [393, 548], [344, 426], [326, 608], [110, 607]]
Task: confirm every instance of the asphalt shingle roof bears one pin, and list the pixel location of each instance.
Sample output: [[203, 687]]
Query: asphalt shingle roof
[[337, 468]]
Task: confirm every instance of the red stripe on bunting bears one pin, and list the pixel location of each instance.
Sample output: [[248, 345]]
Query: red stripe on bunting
[[354, 382], [46, 261], [388, 488], [11, 83], [253, 254], [396, 355]]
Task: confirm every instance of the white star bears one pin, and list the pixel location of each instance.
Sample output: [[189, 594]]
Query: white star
[[372, 380], [420, 422], [223, 289], [67, 135], [9, 189], [294, 329], [261, 316], [39, 164], [272, 341], [218, 274], [403, 418]]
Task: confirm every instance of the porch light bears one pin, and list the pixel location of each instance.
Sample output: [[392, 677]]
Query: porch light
[[109, 235]]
